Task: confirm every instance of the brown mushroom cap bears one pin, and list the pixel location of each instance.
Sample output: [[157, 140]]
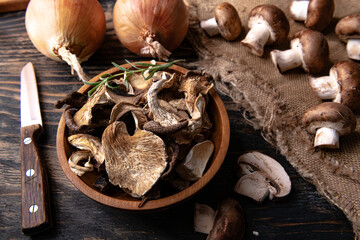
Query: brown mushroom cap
[[315, 50], [319, 14], [348, 73], [332, 115], [275, 18], [228, 21], [348, 27]]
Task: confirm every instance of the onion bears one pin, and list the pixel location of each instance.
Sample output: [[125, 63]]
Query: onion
[[66, 30], [151, 28]]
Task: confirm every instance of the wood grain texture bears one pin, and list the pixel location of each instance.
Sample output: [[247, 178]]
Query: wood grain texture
[[301, 215], [13, 5]]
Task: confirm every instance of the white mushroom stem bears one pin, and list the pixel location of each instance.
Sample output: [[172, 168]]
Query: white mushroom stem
[[203, 218], [288, 59], [210, 26], [326, 87], [353, 49], [257, 37], [299, 9], [326, 137]]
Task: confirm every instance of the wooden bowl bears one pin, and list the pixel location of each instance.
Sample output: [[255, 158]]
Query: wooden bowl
[[220, 138]]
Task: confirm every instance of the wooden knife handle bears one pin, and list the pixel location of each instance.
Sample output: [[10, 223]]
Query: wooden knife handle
[[13, 5], [35, 207]]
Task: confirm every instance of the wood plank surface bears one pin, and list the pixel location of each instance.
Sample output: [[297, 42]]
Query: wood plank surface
[[301, 215]]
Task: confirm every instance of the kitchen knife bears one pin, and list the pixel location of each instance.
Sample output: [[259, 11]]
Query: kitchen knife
[[35, 208]]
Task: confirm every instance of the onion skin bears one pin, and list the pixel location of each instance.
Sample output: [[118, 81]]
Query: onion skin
[[167, 21], [75, 25]]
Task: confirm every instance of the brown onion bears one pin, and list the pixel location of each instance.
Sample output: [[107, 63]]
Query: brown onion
[[66, 30], [151, 27]]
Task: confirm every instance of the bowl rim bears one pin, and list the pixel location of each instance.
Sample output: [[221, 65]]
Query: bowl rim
[[151, 204]]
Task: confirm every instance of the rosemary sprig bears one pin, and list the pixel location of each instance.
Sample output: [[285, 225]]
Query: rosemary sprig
[[150, 68]]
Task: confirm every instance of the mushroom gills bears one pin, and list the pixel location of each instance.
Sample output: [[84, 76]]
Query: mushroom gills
[[258, 35], [210, 26], [353, 49], [326, 137], [288, 59], [298, 10], [326, 87]]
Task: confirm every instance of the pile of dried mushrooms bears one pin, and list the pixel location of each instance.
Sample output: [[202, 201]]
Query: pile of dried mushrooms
[[142, 132]]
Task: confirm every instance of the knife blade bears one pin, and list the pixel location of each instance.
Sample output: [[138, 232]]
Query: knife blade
[[35, 207]]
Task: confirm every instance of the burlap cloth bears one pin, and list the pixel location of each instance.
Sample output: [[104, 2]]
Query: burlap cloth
[[276, 102]]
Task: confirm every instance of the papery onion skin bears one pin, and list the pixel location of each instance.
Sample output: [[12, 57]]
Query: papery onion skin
[[166, 20], [76, 25]]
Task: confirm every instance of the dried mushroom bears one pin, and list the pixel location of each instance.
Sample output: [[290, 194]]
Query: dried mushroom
[[90, 143], [135, 163], [80, 162]]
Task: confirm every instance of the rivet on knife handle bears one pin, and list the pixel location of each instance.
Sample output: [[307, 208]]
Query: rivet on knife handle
[[35, 209]]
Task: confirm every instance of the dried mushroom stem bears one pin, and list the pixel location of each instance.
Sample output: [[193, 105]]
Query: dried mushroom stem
[[326, 137], [288, 59], [299, 10], [73, 61], [353, 49]]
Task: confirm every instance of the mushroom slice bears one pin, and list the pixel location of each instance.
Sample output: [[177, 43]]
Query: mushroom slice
[[136, 162], [160, 115], [193, 84], [266, 171], [90, 143], [192, 168], [229, 221], [79, 162], [204, 217]]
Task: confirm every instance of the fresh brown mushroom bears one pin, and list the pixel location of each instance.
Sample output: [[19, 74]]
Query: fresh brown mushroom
[[309, 50], [226, 22], [261, 176], [136, 162], [341, 86], [348, 31], [227, 223], [317, 14], [268, 25], [328, 121], [193, 166]]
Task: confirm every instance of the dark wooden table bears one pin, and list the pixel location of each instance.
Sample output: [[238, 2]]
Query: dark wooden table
[[301, 215]]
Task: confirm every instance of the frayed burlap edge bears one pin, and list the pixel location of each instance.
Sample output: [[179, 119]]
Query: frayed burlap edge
[[264, 119]]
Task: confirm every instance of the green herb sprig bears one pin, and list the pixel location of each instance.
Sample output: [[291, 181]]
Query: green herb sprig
[[136, 68]]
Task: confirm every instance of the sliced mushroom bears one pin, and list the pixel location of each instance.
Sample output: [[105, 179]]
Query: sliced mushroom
[[136, 162], [263, 176], [228, 222], [348, 31], [80, 162], [317, 14], [328, 121], [90, 143], [341, 86], [226, 22], [268, 25], [193, 166], [309, 50]]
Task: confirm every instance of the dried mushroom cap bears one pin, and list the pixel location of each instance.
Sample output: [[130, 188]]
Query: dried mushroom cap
[[90, 143], [193, 84], [192, 168], [123, 107], [276, 179], [135, 163], [80, 162], [229, 222], [73, 99], [329, 120]]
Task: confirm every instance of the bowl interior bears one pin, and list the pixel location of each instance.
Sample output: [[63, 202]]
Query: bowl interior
[[118, 199]]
